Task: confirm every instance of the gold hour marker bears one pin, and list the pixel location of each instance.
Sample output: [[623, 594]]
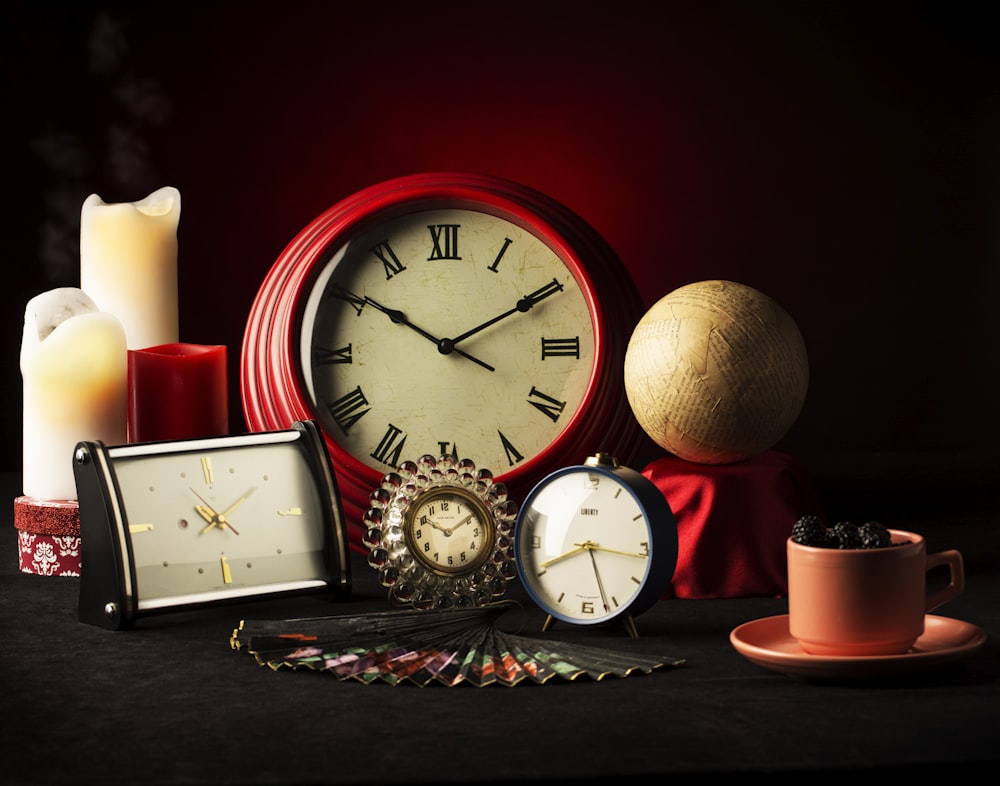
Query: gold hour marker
[[294, 511], [206, 468], [134, 528], [227, 577]]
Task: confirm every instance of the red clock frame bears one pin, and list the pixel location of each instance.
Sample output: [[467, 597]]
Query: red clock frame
[[272, 384]]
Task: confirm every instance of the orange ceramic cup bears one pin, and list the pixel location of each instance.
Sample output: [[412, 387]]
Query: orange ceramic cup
[[861, 602]]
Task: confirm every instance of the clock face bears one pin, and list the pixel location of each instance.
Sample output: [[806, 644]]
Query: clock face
[[446, 331], [218, 522], [185, 523], [439, 533], [450, 530], [585, 544]]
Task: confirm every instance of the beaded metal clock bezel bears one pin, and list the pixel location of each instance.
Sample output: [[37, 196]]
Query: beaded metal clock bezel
[[409, 581]]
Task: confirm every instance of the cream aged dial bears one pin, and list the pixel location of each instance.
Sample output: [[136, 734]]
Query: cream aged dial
[[439, 533], [450, 530], [458, 305]]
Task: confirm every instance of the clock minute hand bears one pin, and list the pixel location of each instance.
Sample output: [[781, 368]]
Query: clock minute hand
[[523, 306], [623, 553], [580, 548], [466, 520], [448, 530], [600, 584], [240, 501], [399, 318]]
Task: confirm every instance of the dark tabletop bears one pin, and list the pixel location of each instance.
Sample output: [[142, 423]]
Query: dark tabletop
[[171, 702]]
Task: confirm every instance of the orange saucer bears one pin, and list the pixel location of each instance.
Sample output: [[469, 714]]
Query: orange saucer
[[768, 643]]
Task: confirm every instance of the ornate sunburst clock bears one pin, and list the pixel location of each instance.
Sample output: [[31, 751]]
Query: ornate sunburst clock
[[445, 313]]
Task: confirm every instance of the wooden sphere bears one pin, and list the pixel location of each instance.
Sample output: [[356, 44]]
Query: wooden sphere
[[716, 372]]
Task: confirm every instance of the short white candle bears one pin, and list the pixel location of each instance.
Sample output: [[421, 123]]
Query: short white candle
[[74, 364], [128, 263]]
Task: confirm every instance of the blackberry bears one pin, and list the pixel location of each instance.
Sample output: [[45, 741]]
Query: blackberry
[[810, 531], [844, 535], [874, 535]]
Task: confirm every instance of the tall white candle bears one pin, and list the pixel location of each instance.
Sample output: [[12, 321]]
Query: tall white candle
[[74, 364], [128, 263]]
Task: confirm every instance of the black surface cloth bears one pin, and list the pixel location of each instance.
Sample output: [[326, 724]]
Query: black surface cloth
[[171, 702]]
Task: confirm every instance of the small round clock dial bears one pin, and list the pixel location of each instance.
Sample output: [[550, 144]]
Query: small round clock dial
[[450, 530], [595, 543], [439, 533]]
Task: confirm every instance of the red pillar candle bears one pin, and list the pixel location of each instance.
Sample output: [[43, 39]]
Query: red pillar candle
[[177, 391]]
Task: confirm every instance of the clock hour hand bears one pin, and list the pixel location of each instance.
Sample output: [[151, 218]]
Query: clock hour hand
[[206, 514], [437, 526], [580, 548], [399, 318], [523, 306], [212, 516]]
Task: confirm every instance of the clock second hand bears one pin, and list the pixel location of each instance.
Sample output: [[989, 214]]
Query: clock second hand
[[444, 348]]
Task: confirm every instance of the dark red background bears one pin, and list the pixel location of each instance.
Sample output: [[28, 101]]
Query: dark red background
[[840, 157]]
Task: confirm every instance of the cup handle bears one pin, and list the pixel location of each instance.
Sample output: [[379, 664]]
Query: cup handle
[[953, 559]]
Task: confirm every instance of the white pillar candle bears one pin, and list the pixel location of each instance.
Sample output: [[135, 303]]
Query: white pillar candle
[[128, 263], [74, 364]]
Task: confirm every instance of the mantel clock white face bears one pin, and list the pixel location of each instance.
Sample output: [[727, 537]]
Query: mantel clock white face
[[185, 523]]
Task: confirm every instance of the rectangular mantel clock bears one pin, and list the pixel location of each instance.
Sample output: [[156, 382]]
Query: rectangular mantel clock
[[173, 525]]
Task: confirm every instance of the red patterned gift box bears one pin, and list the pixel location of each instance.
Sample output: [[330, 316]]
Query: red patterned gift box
[[48, 536]]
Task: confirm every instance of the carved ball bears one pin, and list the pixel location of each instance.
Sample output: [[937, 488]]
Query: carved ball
[[716, 372]]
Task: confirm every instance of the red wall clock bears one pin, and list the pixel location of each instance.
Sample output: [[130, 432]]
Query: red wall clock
[[445, 313]]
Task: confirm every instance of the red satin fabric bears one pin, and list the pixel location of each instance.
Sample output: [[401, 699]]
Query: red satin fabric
[[733, 521]]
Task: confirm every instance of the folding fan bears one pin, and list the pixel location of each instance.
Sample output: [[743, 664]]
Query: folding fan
[[449, 646]]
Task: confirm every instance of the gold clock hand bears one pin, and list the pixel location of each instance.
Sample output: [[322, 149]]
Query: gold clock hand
[[448, 530], [623, 553], [399, 318], [523, 305], [437, 526], [580, 548], [215, 519], [240, 501], [464, 521], [206, 514]]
